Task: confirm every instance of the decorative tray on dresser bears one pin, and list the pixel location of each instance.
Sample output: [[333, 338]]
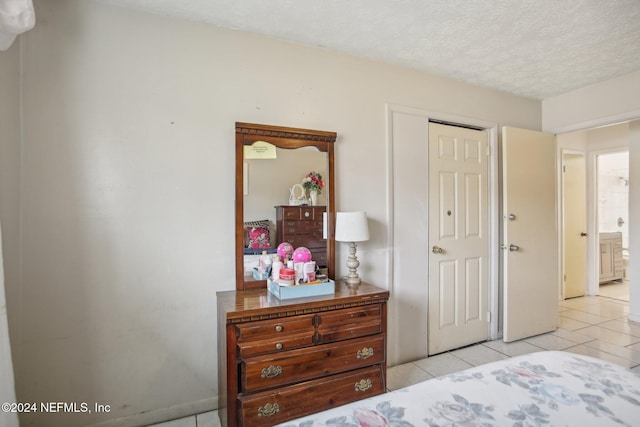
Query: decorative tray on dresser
[[282, 359]]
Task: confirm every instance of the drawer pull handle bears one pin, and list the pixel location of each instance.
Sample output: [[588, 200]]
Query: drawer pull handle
[[279, 346], [268, 410], [363, 385], [279, 328], [271, 371], [365, 352]]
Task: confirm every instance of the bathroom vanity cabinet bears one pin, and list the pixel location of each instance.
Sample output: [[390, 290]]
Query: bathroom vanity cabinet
[[611, 265]]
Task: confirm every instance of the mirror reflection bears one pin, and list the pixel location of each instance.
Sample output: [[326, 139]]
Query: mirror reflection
[[268, 181], [278, 206]]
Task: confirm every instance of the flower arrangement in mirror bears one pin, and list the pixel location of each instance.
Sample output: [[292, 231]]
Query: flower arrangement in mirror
[[313, 184]]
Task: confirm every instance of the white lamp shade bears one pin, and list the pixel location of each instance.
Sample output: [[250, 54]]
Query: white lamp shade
[[352, 227]]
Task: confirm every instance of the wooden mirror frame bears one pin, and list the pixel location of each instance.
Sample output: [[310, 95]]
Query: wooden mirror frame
[[288, 138]]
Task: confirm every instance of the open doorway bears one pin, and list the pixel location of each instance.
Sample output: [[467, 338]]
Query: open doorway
[[612, 174]]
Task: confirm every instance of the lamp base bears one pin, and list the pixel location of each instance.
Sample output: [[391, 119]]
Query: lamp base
[[352, 263]]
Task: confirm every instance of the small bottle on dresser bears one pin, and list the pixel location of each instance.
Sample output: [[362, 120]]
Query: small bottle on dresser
[[275, 268]]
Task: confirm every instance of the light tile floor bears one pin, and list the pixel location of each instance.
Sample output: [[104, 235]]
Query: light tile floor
[[617, 290], [593, 326]]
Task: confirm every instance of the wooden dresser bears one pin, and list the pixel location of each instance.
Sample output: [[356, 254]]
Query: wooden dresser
[[302, 226], [283, 359]]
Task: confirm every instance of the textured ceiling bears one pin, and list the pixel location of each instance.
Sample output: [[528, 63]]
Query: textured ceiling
[[533, 48]]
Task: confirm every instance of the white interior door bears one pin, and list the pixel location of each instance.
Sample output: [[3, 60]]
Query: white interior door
[[574, 225], [530, 233], [458, 237]]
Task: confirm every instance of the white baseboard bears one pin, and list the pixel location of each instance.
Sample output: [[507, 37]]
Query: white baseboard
[[164, 414], [634, 318]]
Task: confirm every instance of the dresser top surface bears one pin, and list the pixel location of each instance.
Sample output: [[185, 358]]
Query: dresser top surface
[[236, 305], [294, 207]]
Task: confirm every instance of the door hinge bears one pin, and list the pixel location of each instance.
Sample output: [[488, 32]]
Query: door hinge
[[488, 316], [564, 277], [564, 168]]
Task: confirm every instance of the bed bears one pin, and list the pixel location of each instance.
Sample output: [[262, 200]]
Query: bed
[[550, 388]]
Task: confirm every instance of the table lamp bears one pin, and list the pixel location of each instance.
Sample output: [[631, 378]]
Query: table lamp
[[352, 227]]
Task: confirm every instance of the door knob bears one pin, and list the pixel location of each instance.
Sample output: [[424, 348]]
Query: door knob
[[437, 250], [514, 248], [583, 234]]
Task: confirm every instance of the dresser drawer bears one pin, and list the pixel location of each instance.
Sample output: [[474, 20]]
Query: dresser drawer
[[302, 212], [349, 323], [306, 240], [302, 227], [275, 328], [300, 365], [320, 257], [275, 345], [277, 406], [275, 335]]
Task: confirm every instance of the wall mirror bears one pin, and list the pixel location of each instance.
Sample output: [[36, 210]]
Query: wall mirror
[[279, 158]]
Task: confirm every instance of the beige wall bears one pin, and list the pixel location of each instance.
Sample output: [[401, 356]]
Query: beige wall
[[127, 198], [613, 101]]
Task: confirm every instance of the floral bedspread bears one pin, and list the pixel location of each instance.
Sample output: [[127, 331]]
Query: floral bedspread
[[540, 389]]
